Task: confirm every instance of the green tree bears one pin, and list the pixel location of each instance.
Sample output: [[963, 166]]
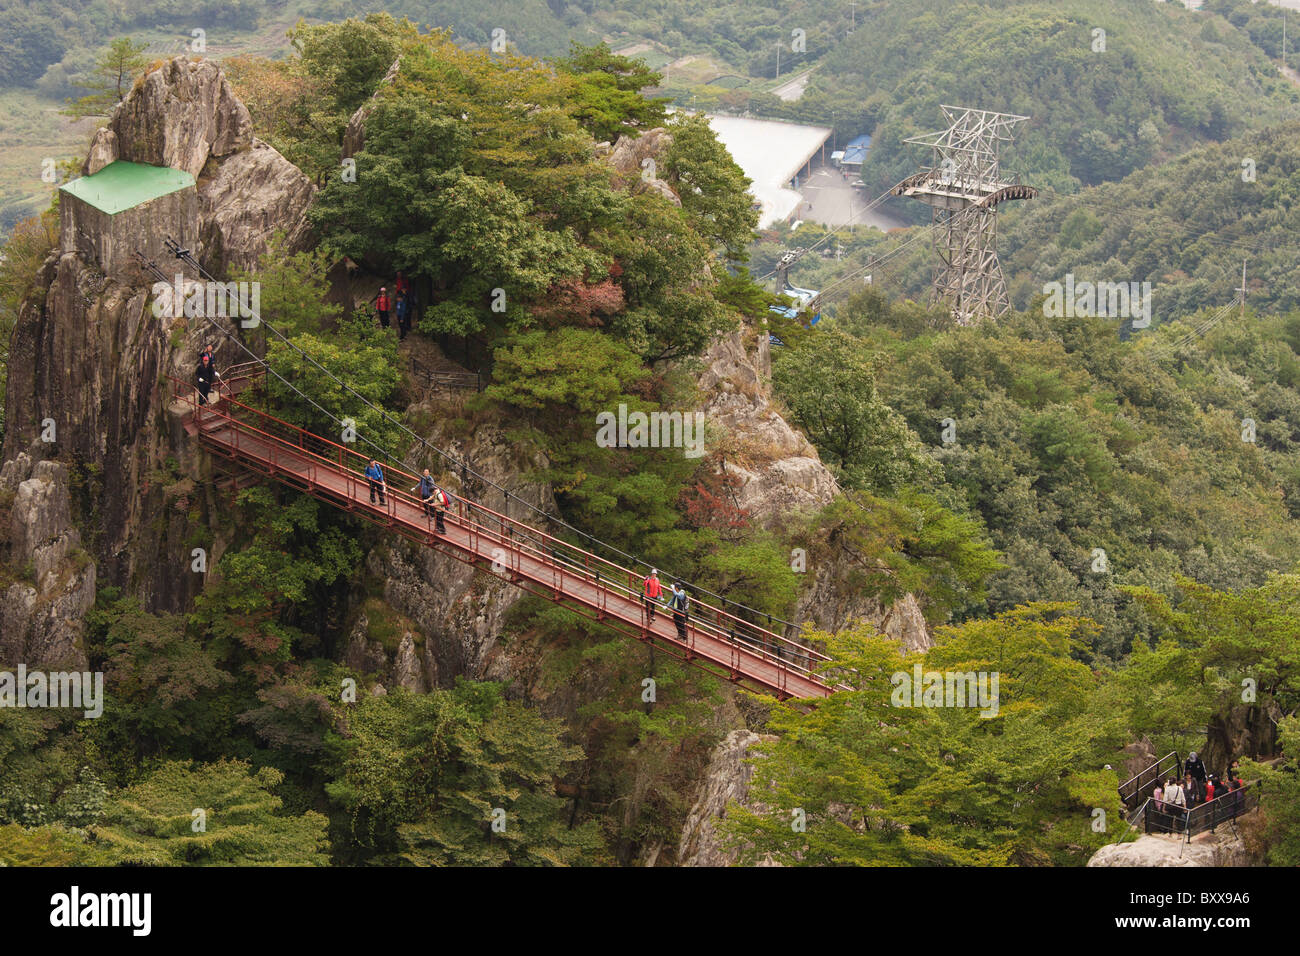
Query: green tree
[[455, 778], [154, 823], [876, 782], [607, 91], [828, 383], [115, 70], [713, 189]]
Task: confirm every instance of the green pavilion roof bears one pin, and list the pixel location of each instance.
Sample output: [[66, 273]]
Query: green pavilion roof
[[121, 185]]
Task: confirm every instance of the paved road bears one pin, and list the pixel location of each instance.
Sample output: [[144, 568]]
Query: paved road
[[829, 199]]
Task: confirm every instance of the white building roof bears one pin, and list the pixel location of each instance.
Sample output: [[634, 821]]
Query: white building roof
[[770, 152]]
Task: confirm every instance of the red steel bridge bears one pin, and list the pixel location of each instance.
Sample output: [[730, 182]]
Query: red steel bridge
[[717, 641]]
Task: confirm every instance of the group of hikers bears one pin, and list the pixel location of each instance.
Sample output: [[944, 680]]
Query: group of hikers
[[1198, 787], [676, 601], [401, 304], [435, 500]]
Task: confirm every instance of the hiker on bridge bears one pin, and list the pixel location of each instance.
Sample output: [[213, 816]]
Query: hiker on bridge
[[1196, 767], [681, 608], [435, 500], [375, 477], [383, 305], [205, 376], [653, 592]]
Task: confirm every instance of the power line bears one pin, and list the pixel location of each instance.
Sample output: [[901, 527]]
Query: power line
[[853, 214]]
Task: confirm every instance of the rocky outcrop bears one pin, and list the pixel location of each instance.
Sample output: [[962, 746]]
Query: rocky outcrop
[[725, 782], [833, 604], [459, 612], [638, 159], [783, 480], [41, 617], [244, 200], [1206, 849], [410, 664], [185, 115], [91, 355], [1246, 730], [781, 477], [178, 115]]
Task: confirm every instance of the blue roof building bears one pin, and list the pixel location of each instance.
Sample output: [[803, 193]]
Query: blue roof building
[[855, 151]]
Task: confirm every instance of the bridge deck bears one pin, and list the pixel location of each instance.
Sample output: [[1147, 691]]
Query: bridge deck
[[739, 650]]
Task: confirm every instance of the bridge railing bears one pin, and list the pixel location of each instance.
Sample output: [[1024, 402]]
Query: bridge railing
[[1224, 808], [513, 537], [1140, 786]]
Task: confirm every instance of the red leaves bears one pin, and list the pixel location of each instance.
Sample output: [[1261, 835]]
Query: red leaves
[[711, 502], [574, 302]]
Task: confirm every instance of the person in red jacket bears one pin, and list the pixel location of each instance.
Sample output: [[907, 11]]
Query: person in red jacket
[[383, 304], [653, 591]]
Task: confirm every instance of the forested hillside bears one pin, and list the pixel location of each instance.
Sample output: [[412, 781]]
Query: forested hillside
[[1065, 440], [1107, 519]]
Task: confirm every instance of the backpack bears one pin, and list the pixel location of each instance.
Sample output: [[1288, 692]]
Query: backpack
[[440, 498]]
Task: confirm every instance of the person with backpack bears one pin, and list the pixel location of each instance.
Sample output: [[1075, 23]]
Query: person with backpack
[[435, 500], [205, 376], [375, 476], [653, 592], [681, 608], [403, 309], [383, 304]]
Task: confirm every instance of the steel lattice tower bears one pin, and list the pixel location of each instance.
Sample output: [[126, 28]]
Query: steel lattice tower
[[964, 187]]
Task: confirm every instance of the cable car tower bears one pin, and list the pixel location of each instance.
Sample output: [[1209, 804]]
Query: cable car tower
[[963, 188]]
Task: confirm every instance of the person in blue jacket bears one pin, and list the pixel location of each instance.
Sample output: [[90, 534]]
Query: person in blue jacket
[[375, 476], [403, 315]]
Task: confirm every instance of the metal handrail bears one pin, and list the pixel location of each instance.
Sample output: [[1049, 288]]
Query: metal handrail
[[1187, 822], [1140, 785], [517, 536], [1225, 807]]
